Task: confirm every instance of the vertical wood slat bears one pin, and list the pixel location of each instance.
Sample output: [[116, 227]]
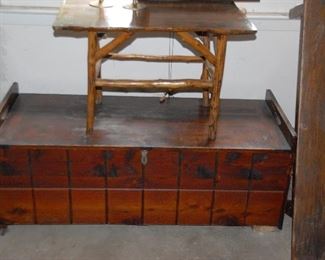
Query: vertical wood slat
[[233, 170], [124, 169], [16, 206], [160, 207], [194, 207], [308, 240], [49, 168], [161, 170], [229, 208], [220, 50], [197, 169], [88, 206], [52, 206], [268, 175], [14, 168], [264, 208], [124, 207], [88, 168]]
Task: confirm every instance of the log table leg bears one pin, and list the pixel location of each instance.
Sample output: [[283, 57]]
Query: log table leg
[[99, 91], [91, 97], [220, 43], [95, 57], [205, 73]]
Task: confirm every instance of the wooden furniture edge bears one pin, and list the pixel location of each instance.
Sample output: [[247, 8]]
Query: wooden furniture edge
[[281, 119], [7, 102]]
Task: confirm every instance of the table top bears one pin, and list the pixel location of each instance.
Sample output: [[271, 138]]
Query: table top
[[216, 17]]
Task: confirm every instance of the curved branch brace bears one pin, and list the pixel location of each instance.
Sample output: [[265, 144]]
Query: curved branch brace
[[198, 46], [111, 46]]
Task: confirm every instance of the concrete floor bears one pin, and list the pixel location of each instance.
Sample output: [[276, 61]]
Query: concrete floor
[[144, 242]]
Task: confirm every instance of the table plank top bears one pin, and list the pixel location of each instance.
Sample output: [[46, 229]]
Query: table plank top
[[217, 17]]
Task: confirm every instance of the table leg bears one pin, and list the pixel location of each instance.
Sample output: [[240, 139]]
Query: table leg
[[205, 74], [99, 91], [92, 48], [220, 43]]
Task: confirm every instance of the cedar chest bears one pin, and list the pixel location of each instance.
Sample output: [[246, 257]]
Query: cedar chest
[[145, 163]]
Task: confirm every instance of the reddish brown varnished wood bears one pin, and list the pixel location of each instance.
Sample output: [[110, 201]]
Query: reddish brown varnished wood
[[88, 206], [16, 206], [160, 207], [87, 168], [162, 169], [271, 171], [229, 208], [14, 167], [165, 165], [124, 207], [264, 208], [49, 168], [194, 207], [197, 169], [233, 170], [124, 169], [52, 206]]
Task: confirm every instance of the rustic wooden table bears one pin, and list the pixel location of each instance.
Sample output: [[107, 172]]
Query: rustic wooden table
[[195, 24]]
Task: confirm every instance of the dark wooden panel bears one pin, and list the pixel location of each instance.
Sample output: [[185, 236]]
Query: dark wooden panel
[[87, 168], [264, 208], [309, 210], [162, 169], [124, 207], [49, 168], [194, 207], [229, 208], [16, 206], [197, 169], [281, 118], [160, 207], [233, 170], [124, 168], [88, 207], [52, 206], [14, 168], [271, 171]]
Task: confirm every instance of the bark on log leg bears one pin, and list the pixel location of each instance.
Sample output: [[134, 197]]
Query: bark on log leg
[[205, 73], [92, 47], [99, 91], [220, 50]]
